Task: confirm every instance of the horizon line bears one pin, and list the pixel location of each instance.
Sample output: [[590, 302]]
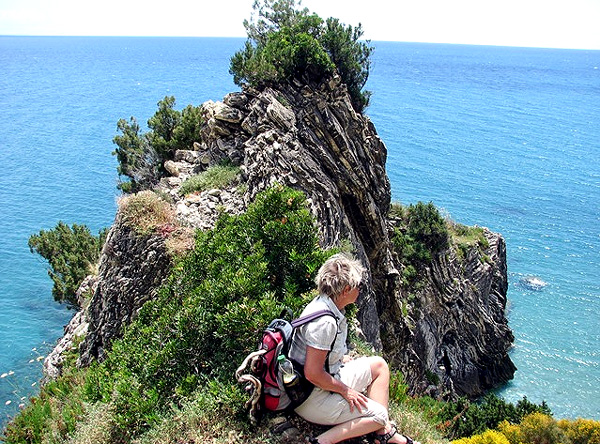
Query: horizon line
[[498, 45]]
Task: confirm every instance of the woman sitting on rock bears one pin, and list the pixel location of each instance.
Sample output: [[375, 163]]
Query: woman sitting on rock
[[353, 394]]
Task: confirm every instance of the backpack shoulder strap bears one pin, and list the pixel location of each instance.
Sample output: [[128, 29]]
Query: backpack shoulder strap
[[316, 315], [312, 316]]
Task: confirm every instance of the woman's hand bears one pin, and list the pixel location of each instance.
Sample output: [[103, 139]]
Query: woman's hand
[[355, 399], [313, 370]]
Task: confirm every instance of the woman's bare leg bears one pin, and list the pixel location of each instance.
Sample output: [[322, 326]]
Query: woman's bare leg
[[357, 427], [347, 430], [379, 390]]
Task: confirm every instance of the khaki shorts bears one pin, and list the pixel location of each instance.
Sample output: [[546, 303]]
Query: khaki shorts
[[329, 408]]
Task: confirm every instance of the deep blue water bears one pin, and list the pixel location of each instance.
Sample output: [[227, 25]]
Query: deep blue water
[[502, 137]]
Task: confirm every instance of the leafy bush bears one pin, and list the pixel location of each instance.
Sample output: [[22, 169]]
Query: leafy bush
[[287, 53], [427, 227], [351, 58], [71, 252], [208, 317], [536, 428], [487, 437], [581, 431], [137, 159], [218, 176], [463, 418], [420, 234], [145, 211], [141, 156], [285, 43]]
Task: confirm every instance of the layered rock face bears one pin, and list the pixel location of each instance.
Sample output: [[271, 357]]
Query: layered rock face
[[132, 268], [450, 338]]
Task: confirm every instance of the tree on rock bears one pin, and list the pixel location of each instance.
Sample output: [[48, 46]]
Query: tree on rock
[[285, 42], [71, 252], [141, 155]]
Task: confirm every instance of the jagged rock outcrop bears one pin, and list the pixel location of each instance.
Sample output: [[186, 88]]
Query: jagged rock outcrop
[[452, 337], [310, 137], [132, 267], [76, 329], [306, 135]]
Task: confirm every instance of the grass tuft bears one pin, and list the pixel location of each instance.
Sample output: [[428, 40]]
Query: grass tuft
[[218, 176], [146, 211]]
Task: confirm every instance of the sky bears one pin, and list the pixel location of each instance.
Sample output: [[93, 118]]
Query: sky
[[537, 23]]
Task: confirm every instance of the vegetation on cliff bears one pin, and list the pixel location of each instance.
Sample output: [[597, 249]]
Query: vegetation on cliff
[[169, 379], [71, 252], [240, 275], [145, 211], [420, 232], [285, 42], [141, 155], [218, 176]]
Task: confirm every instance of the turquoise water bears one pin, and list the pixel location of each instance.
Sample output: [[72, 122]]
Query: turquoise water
[[509, 138], [502, 137]]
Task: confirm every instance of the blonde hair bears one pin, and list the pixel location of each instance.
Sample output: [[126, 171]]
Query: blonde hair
[[338, 272]]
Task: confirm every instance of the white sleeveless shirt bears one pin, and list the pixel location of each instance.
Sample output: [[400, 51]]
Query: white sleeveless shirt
[[320, 334]]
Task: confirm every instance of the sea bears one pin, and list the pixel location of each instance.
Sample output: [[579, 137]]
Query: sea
[[502, 137]]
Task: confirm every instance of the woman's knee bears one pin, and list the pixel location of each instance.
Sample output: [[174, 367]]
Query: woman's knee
[[379, 367], [379, 413]]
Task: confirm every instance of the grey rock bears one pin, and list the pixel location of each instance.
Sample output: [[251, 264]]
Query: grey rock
[[172, 168], [236, 100], [132, 268], [226, 113], [188, 156], [53, 363]]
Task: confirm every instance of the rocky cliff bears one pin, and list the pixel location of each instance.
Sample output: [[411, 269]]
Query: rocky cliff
[[451, 337]]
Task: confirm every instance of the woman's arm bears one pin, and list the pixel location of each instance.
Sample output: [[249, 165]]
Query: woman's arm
[[315, 372]]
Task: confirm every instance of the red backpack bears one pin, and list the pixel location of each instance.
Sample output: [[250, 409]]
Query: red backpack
[[264, 382]]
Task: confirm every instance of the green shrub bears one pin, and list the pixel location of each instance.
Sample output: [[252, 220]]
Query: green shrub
[[218, 176], [427, 227], [141, 156], [398, 389], [285, 43], [289, 51], [52, 416], [351, 57], [188, 130], [137, 159], [71, 252], [421, 233], [209, 315], [464, 418]]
